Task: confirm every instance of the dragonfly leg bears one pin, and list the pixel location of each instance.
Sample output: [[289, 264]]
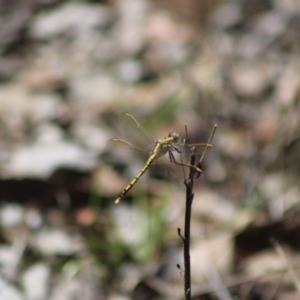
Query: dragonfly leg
[[176, 149], [174, 161]]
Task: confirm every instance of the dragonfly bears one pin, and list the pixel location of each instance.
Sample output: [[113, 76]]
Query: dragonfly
[[168, 145]]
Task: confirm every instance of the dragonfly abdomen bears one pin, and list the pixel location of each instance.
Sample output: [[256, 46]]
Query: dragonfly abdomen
[[149, 162]]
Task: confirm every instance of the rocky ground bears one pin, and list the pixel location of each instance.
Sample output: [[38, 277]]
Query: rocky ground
[[69, 69]]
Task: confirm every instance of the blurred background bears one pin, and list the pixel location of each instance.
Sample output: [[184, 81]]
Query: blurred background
[[69, 69]]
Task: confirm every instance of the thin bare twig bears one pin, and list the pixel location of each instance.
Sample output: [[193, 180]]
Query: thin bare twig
[[189, 184]]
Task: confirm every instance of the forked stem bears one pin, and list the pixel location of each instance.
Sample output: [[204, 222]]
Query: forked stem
[[189, 184]]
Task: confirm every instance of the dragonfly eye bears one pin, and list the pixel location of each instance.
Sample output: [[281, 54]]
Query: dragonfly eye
[[174, 136]]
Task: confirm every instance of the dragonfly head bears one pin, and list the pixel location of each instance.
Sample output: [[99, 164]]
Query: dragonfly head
[[174, 136]]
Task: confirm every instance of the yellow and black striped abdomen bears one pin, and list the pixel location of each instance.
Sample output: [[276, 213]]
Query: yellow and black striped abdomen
[[153, 156]]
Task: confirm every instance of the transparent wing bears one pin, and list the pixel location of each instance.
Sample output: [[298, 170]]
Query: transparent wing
[[133, 132], [127, 151], [178, 169], [131, 120], [182, 156], [199, 149], [116, 143], [176, 164], [200, 154], [136, 142]]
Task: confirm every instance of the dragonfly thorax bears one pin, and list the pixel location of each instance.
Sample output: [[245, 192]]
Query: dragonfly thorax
[[166, 144]]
